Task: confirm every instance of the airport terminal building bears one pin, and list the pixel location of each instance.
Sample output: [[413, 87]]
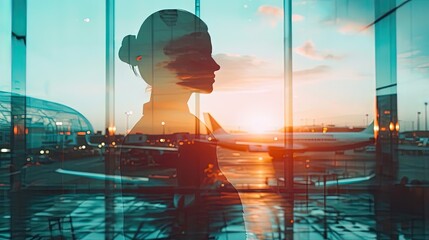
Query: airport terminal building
[[48, 125]]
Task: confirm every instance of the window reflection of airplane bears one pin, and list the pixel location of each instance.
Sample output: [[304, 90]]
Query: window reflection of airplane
[[130, 146], [119, 178], [163, 157], [247, 142], [273, 143]]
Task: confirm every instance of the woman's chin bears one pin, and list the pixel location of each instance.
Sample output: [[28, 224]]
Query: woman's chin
[[199, 88], [206, 91]]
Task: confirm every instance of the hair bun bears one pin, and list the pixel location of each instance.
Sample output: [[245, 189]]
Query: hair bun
[[127, 52]]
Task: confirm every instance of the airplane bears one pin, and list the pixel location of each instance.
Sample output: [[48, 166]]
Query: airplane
[[271, 143], [274, 143]]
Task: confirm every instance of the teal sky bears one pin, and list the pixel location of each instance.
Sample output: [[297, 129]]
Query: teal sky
[[334, 68]]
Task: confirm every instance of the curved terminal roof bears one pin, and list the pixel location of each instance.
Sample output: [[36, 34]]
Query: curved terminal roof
[[45, 114]]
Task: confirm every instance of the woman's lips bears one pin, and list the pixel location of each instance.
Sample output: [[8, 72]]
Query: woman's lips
[[196, 77]]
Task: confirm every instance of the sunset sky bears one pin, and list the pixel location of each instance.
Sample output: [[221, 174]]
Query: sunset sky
[[333, 60]]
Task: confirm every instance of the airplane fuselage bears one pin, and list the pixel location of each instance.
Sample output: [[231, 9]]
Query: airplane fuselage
[[300, 141]]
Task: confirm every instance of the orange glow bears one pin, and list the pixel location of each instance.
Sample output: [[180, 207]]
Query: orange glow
[[376, 130], [81, 133], [15, 130], [391, 126], [26, 130], [259, 123], [111, 131], [376, 125], [397, 126]]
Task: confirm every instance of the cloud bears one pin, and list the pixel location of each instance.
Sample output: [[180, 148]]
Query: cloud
[[315, 73], [309, 50], [414, 60], [297, 18], [408, 54], [271, 11], [424, 65], [244, 73], [274, 15], [352, 27], [347, 27]]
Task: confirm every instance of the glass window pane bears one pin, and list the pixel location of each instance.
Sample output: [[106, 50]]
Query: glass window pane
[[412, 90], [65, 91], [166, 119]]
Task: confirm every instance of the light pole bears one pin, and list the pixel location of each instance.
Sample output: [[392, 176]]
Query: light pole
[[418, 121], [163, 128], [426, 116], [128, 113]]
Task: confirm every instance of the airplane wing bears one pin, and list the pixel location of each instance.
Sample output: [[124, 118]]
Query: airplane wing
[[159, 148], [340, 181], [344, 181], [101, 176]]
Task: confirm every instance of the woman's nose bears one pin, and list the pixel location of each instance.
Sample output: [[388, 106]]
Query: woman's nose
[[216, 66]]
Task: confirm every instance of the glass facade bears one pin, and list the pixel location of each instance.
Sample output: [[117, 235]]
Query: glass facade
[[201, 119], [43, 117]]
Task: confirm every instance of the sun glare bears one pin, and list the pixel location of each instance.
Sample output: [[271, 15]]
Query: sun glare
[[260, 124]]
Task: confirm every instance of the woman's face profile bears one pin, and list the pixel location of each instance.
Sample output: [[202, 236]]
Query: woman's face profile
[[173, 53], [191, 61]]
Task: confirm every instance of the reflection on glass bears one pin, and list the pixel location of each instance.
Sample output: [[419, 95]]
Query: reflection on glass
[[172, 53], [169, 180]]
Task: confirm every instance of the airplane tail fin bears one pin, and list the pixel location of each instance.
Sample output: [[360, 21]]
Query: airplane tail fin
[[369, 129], [214, 126]]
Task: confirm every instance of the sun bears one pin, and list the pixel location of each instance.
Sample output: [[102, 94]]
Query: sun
[[259, 123]]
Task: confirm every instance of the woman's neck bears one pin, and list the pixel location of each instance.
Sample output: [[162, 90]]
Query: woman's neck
[[171, 102]]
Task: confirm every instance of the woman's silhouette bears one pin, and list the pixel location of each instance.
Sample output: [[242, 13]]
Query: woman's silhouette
[[172, 53]]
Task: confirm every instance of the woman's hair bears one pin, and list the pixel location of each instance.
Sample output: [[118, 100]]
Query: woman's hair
[[156, 32]]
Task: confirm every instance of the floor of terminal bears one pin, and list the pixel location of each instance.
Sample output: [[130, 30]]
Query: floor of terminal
[[261, 212]]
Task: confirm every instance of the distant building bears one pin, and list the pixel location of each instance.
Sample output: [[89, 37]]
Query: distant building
[[48, 124]]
